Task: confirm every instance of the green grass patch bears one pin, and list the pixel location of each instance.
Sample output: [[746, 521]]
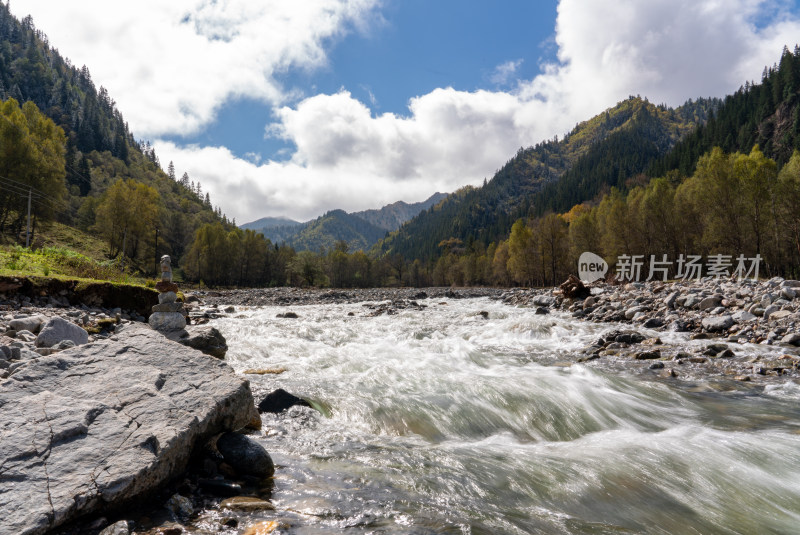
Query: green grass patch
[[59, 262]]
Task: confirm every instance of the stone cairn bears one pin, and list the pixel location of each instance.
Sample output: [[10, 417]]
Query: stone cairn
[[168, 313]]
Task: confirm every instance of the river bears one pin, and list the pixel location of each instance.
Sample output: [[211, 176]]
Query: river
[[442, 420]]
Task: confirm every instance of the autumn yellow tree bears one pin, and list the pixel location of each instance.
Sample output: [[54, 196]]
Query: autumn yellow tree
[[32, 152], [127, 216]]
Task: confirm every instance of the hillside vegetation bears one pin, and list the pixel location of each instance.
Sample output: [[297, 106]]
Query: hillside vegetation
[[64, 142], [605, 151]]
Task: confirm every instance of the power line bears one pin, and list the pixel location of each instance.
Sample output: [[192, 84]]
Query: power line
[[24, 189]]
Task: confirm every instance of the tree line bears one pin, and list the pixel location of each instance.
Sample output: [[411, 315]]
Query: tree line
[[734, 205]]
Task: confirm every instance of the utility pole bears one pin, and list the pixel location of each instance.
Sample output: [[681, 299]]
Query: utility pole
[[124, 239], [28, 231]]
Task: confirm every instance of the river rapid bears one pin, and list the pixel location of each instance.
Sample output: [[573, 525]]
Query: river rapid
[[446, 420]]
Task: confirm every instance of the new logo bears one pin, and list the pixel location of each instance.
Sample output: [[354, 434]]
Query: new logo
[[591, 267]]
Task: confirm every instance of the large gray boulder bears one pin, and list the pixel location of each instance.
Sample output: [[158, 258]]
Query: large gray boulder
[[107, 422], [203, 338], [58, 329]]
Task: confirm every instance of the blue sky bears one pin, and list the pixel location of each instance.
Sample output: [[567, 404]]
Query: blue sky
[[417, 47], [284, 108]]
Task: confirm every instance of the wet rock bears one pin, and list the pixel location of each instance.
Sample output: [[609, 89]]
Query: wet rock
[[717, 323], [287, 315], [541, 311], [246, 504], [544, 300], [713, 349], [656, 366], [245, 455], [626, 337], [653, 323], [678, 326], [652, 342], [262, 528], [484, 314], [58, 329], [219, 487], [117, 528], [180, 507], [791, 339], [647, 355], [279, 401]]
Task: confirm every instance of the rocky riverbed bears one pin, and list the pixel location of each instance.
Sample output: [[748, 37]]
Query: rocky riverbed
[[729, 319], [710, 330], [726, 318]]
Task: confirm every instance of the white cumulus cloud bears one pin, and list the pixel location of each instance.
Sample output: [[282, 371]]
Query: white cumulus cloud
[[171, 65]]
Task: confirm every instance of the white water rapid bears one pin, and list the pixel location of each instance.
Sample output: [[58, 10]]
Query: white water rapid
[[443, 421]]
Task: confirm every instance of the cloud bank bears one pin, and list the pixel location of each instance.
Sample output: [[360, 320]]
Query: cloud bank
[[349, 157]]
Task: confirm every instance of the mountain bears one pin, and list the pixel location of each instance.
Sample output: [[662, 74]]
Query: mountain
[[336, 225], [269, 222], [360, 230], [391, 216], [597, 154], [765, 114]]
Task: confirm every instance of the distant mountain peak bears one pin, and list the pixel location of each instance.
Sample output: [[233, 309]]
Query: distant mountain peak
[[360, 230]]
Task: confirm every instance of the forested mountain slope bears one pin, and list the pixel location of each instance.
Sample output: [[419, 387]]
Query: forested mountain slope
[[97, 152], [765, 114], [323, 233], [360, 230], [604, 151]]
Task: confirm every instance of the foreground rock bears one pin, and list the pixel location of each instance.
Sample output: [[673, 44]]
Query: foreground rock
[[202, 338], [95, 426], [245, 455]]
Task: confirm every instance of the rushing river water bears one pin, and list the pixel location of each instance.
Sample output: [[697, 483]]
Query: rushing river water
[[443, 421]]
